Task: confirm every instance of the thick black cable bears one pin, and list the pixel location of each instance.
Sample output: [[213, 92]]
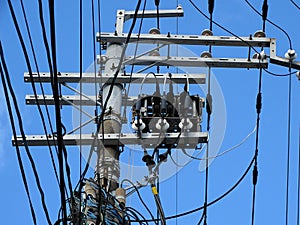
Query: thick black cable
[[295, 4], [17, 108], [140, 197], [288, 146], [20, 163], [80, 100], [217, 199], [275, 25], [45, 40], [60, 143], [43, 93]]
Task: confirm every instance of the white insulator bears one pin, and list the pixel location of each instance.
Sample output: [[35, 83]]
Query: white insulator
[[187, 123], [162, 124], [291, 54], [138, 126], [298, 75]]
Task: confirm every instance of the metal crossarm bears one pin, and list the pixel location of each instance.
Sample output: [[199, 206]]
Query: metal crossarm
[[122, 78], [185, 39], [148, 139]]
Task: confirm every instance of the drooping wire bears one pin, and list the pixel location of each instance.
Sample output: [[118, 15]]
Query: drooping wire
[[295, 4], [140, 197], [80, 97], [288, 146], [18, 114], [43, 93], [20, 163], [17, 109], [60, 143], [275, 25], [214, 201]]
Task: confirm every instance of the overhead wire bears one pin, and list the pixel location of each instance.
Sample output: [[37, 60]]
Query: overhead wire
[[80, 96], [16, 106], [140, 197], [43, 93], [275, 25], [215, 200], [19, 117], [20, 162], [60, 142], [295, 4]]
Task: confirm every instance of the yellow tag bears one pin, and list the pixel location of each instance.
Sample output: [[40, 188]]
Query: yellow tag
[[154, 191]]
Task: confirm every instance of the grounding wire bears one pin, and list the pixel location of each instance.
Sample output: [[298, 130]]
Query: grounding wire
[[20, 163]]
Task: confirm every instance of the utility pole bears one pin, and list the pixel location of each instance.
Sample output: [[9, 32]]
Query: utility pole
[[175, 116]]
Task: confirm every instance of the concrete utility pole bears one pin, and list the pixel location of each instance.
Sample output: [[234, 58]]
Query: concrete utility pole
[[96, 201]]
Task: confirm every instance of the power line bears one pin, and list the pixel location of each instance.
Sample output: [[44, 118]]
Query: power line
[[57, 111], [20, 163], [17, 108], [275, 25], [295, 4], [43, 94], [216, 200]]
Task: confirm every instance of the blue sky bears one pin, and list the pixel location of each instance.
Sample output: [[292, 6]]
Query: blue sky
[[239, 88]]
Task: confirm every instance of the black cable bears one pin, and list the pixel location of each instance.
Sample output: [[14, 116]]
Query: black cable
[[275, 25], [201, 219], [17, 108], [222, 27], [45, 40], [133, 210], [140, 197], [216, 200], [279, 75], [80, 91], [43, 93], [135, 53], [57, 110], [20, 163], [295, 4], [288, 146]]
